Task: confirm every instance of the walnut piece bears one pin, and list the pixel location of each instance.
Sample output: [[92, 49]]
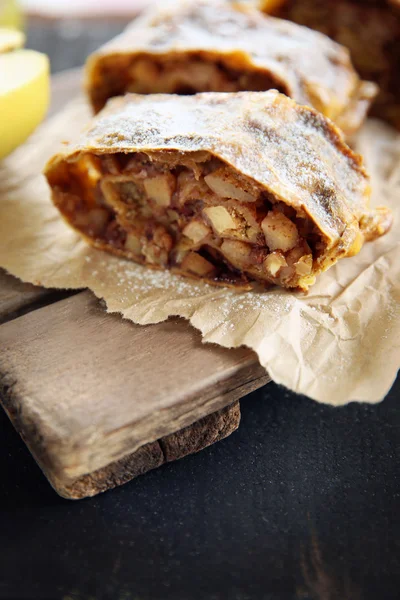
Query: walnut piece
[[156, 250]]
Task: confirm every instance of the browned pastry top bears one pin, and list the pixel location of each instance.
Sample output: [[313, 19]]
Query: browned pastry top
[[292, 151], [312, 69]]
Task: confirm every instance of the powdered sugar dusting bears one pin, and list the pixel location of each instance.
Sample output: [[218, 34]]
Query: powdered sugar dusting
[[290, 150], [308, 63]]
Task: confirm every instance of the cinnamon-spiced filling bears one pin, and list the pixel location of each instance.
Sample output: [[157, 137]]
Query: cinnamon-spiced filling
[[192, 214]]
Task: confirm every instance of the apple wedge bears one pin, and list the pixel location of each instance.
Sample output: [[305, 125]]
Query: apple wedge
[[10, 39], [24, 96]]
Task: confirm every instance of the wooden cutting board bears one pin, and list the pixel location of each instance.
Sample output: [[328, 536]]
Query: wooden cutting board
[[99, 400]]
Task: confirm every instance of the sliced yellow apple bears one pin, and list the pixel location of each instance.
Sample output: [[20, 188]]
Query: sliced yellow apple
[[24, 96], [10, 39], [11, 14]]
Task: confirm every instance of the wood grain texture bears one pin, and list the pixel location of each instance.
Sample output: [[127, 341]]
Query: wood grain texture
[[86, 389]]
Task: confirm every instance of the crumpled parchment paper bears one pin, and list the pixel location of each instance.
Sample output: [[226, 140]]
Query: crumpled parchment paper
[[339, 343]]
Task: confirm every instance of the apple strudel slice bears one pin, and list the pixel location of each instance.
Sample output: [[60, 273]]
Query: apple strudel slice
[[370, 29], [229, 188], [186, 47]]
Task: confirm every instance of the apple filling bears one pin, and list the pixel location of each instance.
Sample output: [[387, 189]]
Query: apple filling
[[183, 74], [192, 214]]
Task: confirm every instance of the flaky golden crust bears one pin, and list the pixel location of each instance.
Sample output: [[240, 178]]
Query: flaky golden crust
[[290, 154], [238, 39]]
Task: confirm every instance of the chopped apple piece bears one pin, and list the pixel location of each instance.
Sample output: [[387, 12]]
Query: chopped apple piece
[[173, 215], [190, 188], [196, 231], [133, 243], [93, 168], [304, 265], [223, 184], [279, 231], [198, 265], [274, 262], [160, 188], [220, 218], [295, 255], [236, 252], [182, 249]]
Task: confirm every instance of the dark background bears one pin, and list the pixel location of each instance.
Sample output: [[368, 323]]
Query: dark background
[[302, 502]]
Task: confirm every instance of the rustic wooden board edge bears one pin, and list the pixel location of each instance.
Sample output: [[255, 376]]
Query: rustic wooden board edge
[[18, 299], [190, 440], [248, 378], [227, 375], [16, 296]]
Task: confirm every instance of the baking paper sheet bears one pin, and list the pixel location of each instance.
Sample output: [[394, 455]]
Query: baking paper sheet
[[339, 343]]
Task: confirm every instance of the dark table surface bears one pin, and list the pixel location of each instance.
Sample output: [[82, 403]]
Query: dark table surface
[[302, 502]]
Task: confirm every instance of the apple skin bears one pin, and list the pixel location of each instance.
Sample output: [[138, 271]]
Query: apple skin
[[24, 96], [10, 39], [11, 14]]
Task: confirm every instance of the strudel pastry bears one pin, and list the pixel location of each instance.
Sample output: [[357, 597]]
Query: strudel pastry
[[371, 31], [229, 188], [184, 47]]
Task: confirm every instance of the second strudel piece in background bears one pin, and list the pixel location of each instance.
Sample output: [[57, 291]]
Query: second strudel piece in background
[[184, 47], [371, 31], [229, 188]]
